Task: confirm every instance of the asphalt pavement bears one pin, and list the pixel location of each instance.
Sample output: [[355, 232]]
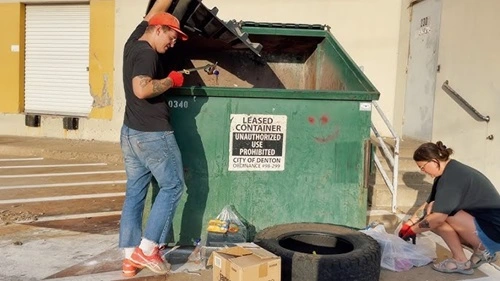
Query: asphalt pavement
[[60, 203]]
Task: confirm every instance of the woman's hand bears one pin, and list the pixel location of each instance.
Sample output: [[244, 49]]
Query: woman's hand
[[406, 232], [407, 225], [409, 234]]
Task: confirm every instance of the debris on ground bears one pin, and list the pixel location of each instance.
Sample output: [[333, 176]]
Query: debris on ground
[[8, 217]]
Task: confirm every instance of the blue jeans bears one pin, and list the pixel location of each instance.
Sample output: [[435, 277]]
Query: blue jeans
[[487, 242], [147, 155]]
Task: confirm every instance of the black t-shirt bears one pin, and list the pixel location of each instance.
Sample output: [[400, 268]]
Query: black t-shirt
[[461, 187], [139, 58]]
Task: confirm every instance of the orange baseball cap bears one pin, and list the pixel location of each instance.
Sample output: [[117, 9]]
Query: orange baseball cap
[[170, 21]]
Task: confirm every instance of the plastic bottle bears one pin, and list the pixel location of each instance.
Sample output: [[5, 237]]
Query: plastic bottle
[[195, 256]]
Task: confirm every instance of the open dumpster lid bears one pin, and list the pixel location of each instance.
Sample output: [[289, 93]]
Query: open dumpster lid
[[196, 18]]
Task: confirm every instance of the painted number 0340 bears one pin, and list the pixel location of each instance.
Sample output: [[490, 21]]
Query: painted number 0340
[[178, 104]]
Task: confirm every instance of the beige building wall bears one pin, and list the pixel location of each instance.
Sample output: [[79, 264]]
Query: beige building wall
[[470, 61], [368, 30], [401, 68], [370, 38]]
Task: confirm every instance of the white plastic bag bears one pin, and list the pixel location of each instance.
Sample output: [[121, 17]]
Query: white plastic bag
[[399, 255]]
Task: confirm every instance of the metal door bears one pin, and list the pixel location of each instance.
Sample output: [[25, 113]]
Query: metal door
[[57, 59], [422, 69]]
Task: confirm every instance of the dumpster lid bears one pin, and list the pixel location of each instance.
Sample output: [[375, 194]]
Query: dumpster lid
[[285, 25], [196, 18]]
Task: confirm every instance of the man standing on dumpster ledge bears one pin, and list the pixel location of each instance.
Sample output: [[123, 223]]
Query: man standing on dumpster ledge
[[147, 140]]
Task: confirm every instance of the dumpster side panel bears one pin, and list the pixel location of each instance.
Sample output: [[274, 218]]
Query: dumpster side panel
[[328, 73], [349, 72], [310, 71], [322, 179]]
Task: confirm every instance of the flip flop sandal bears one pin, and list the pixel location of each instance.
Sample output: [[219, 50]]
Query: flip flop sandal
[[456, 267]]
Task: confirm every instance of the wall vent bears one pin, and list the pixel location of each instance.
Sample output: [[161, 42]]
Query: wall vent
[[70, 123], [32, 120]]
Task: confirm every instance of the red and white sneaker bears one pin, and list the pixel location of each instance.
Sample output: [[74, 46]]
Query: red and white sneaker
[[129, 268], [154, 262]]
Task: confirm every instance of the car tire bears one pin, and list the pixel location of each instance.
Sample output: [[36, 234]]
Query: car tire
[[320, 252]]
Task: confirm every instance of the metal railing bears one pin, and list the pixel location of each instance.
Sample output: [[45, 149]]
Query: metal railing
[[393, 158], [464, 104]]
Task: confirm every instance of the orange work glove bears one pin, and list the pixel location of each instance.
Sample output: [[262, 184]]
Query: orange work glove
[[177, 78]]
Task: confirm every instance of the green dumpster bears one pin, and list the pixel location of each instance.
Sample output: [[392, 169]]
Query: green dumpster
[[280, 133], [282, 136]]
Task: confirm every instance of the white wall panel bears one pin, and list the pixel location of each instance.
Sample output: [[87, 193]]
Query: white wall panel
[[57, 60]]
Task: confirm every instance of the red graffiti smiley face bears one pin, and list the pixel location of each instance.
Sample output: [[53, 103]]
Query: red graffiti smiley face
[[323, 124]]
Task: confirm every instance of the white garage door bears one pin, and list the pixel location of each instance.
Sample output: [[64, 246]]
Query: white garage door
[[57, 60]]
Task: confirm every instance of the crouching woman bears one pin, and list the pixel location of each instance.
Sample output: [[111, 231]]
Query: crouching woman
[[463, 208]]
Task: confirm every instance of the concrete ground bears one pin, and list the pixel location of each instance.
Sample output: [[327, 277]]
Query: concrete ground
[[60, 205]]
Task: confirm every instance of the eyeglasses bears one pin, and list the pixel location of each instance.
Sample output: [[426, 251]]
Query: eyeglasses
[[171, 38], [423, 166]]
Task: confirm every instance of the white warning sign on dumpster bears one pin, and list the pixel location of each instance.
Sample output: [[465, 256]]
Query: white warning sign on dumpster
[[257, 142]]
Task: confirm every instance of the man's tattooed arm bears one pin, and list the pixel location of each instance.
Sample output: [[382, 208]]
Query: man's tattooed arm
[[160, 86], [145, 87]]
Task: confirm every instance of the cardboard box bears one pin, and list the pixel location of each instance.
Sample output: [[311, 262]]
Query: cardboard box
[[245, 262]]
